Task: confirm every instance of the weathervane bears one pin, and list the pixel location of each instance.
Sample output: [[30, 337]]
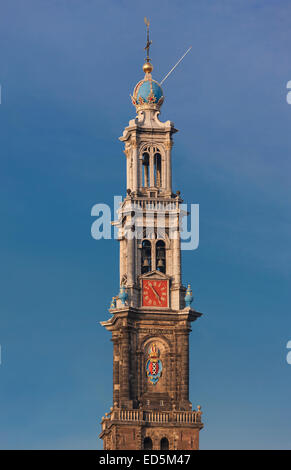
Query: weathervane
[[148, 67], [147, 48]]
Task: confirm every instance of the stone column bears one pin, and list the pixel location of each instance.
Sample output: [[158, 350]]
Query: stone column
[[139, 357], [177, 258], [138, 259], [154, 258], [130, 261], [183, 342], [171, 366], [134, 167], [169, 166], [128, 170], [116, 384], [122, 258], [164, 169], [125, 367]]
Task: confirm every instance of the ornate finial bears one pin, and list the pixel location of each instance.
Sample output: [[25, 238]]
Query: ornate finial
[[147, 67], [188, 296], [113, 302], [123, 295]]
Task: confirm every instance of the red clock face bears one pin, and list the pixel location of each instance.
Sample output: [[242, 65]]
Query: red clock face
[[154, 293]]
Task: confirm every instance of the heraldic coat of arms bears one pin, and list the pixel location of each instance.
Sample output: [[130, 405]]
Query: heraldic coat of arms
[[154, 365]]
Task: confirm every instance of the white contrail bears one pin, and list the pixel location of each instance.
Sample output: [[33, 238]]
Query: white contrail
[[176, 65]]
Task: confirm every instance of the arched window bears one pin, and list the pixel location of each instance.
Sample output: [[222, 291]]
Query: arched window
[[151, 167], [161, 256], [146, 257], [147, 443], [164, 445], [145, 169], [158, 169]]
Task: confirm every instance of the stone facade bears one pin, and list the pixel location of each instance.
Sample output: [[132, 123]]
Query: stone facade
[[150, 323]]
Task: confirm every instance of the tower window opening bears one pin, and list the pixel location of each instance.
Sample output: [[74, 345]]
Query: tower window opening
[[158, 169], [146, 257], [145, 169], [164, 444], [147, 443], [161, 256]]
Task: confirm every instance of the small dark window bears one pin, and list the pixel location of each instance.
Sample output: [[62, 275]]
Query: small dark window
[[147, 443], [146, 257], [158, 170], [164, 444], [161, 256], [145, 166]]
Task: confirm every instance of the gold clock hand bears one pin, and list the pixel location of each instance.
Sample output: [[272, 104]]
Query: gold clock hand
[[155, 292]]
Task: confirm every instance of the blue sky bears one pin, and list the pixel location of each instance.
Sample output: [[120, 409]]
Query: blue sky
[[66, 70]]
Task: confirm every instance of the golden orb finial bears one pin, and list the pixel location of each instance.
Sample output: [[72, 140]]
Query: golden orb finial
[[147, 67]]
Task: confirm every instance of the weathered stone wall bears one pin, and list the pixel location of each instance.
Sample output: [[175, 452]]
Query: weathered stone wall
[[132, 437]]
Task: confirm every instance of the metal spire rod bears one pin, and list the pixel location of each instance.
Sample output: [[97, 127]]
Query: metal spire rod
[[176, 65], [147, 48]]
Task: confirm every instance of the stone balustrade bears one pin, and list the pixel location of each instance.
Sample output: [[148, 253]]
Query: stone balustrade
[[160, 417], [151, 205]]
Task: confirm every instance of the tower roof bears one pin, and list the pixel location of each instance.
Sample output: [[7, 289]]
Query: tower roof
[[147, 93]]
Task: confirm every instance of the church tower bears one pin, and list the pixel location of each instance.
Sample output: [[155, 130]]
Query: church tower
[[151, 317]]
